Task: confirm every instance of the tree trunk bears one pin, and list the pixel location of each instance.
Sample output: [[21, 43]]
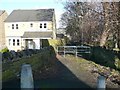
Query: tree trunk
[[118, 41], [103, 38], [106, 30], [119, 26]]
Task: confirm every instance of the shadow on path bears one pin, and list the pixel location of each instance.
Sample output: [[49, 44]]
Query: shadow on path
[[64, 78]]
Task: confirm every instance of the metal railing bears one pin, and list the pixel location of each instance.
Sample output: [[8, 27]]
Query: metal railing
[[76, 50]]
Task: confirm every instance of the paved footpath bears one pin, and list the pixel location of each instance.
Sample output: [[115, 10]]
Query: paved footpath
[[81, 74], [75, 68]]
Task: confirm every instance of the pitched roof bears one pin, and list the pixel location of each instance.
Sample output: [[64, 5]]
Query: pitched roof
[[37, 35], [30, 15]]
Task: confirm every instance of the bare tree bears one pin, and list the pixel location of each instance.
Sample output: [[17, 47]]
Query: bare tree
[[110, 12], [96, 22], [118, 35], [106, 31], [83, 21]]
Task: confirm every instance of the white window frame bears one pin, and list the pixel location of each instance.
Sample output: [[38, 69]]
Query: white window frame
[[31, 24], [18, 42], [16, 26], [41, 25], [9, 42], [45, 25], [13, 42], [13, 26]]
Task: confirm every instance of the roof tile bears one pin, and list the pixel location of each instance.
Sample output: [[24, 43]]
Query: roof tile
[[30, 15], [37, 35]]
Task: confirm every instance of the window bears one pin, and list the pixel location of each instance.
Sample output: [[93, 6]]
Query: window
[[45, 25], [9, 41], [40, 25], [18, 42], [31, 25], [16, 26], [13, 42], [12, 26]]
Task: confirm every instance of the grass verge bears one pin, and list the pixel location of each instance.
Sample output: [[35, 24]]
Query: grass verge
[[11, 70]]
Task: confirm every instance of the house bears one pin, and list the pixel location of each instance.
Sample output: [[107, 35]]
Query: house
[[60, 33], [3, 16], [25, 29]]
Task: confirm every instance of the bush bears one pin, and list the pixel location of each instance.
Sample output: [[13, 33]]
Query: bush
[[37, 61], [4, 50], [103, 57], [7, 56], [117, 63], [55, 43], [110, 44], [118, 54]]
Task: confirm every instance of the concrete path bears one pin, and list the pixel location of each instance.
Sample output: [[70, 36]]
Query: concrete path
[[84, 75], [75, 68]]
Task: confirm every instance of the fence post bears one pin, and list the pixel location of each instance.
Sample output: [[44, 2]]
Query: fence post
[[101, 83], [76, 51], [26, 77], [64, 50]]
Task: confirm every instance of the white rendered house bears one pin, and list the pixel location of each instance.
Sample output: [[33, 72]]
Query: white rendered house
[[25, 29]]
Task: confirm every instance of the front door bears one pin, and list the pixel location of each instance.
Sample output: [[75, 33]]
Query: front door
[[30, 44]]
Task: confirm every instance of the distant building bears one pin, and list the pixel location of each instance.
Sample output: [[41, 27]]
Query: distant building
[[25, 29], [61, 32], [3, 16]]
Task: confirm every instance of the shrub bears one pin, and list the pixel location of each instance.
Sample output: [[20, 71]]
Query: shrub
[[37, 61], [110, 44], [7, 56], [117, 63], [118, 54], [103, 57], [4, 50]]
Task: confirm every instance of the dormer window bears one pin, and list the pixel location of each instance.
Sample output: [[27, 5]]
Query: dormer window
[[16, 26], [31, 25], [40, 25], [12, 26], [45, 25]]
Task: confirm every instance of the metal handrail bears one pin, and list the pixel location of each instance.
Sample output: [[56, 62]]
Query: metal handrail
[[73, 50]]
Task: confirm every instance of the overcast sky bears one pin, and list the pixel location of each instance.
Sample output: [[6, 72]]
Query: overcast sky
[[10, 5]]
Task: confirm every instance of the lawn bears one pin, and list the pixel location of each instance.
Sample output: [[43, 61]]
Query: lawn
[[11, 70], [43, 64]]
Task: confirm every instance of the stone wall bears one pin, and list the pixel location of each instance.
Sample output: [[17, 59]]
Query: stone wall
[[3, 16]]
